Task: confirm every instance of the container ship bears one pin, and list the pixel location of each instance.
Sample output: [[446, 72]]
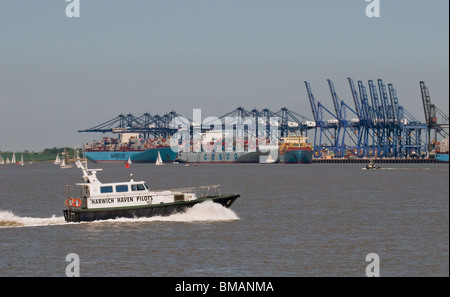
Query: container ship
[[131, 147], [220, 157], [442, 151], [209, 149], [295, 149]]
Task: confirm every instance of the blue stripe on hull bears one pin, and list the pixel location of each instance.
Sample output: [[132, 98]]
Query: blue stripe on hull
[[441, 157], [219, 157], [299, 156], [147, 156]]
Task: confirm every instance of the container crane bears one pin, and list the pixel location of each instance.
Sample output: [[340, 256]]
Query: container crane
[[328, 129], [389, 125], [339, 149], [397, 131], [379, 120], [347, 129], [368, 122], [362, 120], [431, 118]]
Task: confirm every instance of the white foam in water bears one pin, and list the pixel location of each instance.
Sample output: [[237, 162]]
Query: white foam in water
[[9, 219], [206, 211]]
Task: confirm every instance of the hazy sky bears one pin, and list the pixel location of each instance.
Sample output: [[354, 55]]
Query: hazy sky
[[60, 74]]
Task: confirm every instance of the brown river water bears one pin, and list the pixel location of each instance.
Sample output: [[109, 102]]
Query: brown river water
[[291, 220]]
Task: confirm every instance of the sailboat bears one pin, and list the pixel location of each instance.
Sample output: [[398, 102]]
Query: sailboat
[[159, 160], [64, 164], [13, 159], [128, 163], [57, 160], [21, 161]]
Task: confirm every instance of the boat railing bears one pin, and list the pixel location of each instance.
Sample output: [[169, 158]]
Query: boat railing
[[200, 191], [180, 190], [210, 190]]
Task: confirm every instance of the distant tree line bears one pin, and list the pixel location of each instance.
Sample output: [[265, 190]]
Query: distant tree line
[[48, 151], [47, 154], [55, 151]]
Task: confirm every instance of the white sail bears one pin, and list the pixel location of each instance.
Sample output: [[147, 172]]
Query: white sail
[[1, 160], [13, 160], [57, 160], [21, 160], [159, 160], [129, 161]]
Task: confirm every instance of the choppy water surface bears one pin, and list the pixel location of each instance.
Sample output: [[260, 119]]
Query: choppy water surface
[[291, 220]]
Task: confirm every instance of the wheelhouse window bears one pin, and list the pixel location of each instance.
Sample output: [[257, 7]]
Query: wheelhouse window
[[106, 189], [138, 187], [121, 188]]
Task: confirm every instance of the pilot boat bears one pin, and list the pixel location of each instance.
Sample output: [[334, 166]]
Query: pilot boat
[[371, 166], [134, 199]]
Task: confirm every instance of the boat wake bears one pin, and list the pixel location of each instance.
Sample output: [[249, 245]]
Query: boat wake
[[398, 168], [412, 169], [9, 219], [204, 212]]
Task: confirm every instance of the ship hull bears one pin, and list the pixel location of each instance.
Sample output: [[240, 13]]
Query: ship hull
[[441, 157], [297, 156], [163, 209], [220, 157], [147, 156]]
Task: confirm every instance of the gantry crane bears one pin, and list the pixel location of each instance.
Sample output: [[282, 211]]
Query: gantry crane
[[431, 119]]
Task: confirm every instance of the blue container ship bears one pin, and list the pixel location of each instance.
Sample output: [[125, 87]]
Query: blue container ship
[[133, 148], [146, 156], [295, 149], [442, 155]]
